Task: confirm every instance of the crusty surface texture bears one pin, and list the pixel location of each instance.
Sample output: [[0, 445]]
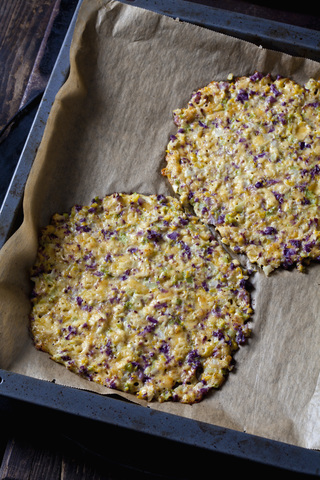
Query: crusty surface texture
[[133, 293], [246, 157]]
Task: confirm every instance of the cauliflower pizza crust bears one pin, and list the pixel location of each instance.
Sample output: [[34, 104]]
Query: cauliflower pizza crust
[[246, 156], [135, 294]]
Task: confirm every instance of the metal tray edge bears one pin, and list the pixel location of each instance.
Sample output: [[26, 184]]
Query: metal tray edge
[[150, 421], [291, 39]]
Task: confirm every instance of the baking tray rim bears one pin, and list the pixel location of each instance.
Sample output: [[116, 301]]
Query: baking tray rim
[[146, 420], [103, 407]]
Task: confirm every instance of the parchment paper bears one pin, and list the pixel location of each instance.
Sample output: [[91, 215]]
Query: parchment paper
[[108, 131]]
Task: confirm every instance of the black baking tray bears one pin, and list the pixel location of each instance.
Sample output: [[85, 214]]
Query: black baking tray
[[131, 420]]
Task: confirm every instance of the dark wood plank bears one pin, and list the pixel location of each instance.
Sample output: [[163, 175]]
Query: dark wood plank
[[14, 465], [25, 458], [28, 456], [23, 26], [80, 468]]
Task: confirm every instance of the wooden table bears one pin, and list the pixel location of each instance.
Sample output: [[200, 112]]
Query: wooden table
[[35, 443]]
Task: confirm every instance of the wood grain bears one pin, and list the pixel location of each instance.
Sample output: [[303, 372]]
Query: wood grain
[[55, 457], [23, 25]]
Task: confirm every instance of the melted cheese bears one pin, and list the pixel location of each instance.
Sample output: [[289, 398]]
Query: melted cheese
[[133, 293], [246, 157]]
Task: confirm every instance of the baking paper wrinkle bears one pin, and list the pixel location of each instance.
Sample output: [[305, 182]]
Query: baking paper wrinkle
[[108, 131]]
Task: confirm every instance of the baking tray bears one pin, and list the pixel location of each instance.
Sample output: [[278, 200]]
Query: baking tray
[[113, 411]]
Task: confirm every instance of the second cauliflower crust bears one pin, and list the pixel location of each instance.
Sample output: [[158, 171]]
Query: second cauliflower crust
[[246, 156]]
